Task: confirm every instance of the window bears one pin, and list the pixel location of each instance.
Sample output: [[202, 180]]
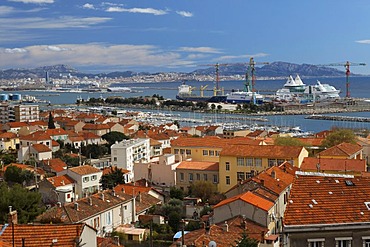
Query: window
[[280, 161], [198, 176], [258, 162], [182, 151], [248, 175], [249, 162], [205, 152], [85, 179], [316, 242], [205, 177], [227, 166], [96, 222], [188, 152], [176, 151], [343, 242], [190, 176], [366, 242], [271, 162], [240, 161], [228, 180], [211, 153], [217, 153], [68, 195], [215, 179], [114, 158], [240, 176], [94, 177], [181, 176], [108, 218]]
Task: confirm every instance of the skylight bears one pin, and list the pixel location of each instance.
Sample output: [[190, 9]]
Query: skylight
[[349, 183]]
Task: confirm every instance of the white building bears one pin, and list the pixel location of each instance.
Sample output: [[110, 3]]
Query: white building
[[124, 154], [87, 179], [161, 172]]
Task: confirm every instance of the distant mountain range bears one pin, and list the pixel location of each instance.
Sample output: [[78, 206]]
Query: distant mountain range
[[275, 69]]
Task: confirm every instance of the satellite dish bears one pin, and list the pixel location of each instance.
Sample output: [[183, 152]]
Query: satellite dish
[[212, 244]]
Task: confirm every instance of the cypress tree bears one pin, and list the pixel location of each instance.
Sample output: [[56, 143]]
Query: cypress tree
[[51, 124]]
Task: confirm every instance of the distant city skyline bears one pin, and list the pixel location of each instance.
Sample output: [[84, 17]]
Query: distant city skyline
[[179, 36]]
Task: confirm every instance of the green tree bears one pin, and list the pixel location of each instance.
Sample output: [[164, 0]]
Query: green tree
[[288, 141], [112, 179], [94, 151], [8, 158], [174, 220], [203, 189], [51, 124], [27, 203], [339, 136], [14, 174], [176, 122], [176, 193], [114, 136], [245, 241]]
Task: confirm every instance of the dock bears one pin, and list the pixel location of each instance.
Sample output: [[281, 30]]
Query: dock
[[339, 118]]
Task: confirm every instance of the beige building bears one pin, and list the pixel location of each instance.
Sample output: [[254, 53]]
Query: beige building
[[26, 113], [188, 172], [240, 162]]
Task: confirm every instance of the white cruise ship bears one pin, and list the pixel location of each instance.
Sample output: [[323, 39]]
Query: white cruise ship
[[294, 90]]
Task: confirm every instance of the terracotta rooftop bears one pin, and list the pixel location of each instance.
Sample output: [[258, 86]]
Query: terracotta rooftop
[[58, 181], [198, 165], [329, 164], [84, 170], [251, 198], [223, 238], [328, 200], [16, 124], [91, 126], [311, 141], [87, 207], [43, 235], [56, 132], [8, 135], [57, 164], [343, 149], [131, 189], [41, 148], [37, 136], [261, 151], [211, 141]]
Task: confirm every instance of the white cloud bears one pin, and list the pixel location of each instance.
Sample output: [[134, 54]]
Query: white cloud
[[230, 57], [365, 41], [33, 1], [5, 10], [185, 13], [202, 49], [137, 10], [92, 55], [12, 24], [88, 6], [55, 48], [15, 50]]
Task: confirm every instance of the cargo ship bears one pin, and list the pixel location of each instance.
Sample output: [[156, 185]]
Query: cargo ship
[[185, 92]]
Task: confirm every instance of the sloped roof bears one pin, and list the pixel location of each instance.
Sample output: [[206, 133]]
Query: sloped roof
[[198, 165], [329, 164], [212, 141], [261, 151], [58, 181], [57, 164], [43, 235], [343, 149], [236, 225], [56, 132], [8, 135], [84, 170], [41, 148], [16, 124], [250, 198], [90, 126], [328, 200], [37, 136]]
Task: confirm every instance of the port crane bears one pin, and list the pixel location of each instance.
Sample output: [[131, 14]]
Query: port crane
[[202, 88], [216, 89], [348, 72], [250, 78]]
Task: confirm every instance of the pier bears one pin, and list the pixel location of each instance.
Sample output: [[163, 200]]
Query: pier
[[339, 118]]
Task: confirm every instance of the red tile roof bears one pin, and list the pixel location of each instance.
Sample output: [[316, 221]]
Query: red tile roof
[[90, 126], [328, 200], [41, 148], [211, 141], [43, 235], [329, 164], [57, 164], [37, 136], [198, 165], [251, 198], [8, 135], [262, 151], [58, 181], [56, 132], [131, 189], [16, 124], [343, 149], [84, 170]]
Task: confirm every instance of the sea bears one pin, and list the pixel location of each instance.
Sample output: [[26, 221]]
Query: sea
[[359, 88]]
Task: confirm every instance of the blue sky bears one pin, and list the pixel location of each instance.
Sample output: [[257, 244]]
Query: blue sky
[[179, 35]]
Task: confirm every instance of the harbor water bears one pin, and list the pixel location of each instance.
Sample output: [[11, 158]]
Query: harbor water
[[359, 88]]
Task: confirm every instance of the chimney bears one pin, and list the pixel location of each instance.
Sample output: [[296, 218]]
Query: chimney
[[262, 182], [90, 201], [76, 206], [273, 174], [123, 190], [138, 197], [225, 227], [113, 192], [102, 196], [12, 216]]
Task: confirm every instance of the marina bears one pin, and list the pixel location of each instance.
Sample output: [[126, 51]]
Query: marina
[[339, 118]]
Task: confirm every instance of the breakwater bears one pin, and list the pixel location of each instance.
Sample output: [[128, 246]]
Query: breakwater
[[339, 118]]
